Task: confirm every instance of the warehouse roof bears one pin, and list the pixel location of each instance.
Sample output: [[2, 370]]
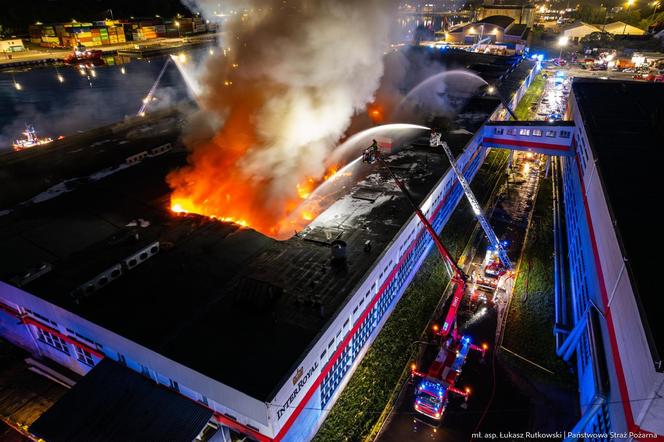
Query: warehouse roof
[[257, 294], [248, 293], [517, 30], [625, 126], [114, 403]]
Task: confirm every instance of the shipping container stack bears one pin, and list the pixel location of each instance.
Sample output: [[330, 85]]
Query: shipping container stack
[[35, 32], [48, 37], [186, 26], [112, 32], [116, 34], [171, 31], [160, 30], [199, 25]]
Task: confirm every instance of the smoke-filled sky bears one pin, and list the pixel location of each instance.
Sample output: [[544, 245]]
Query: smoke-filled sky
[[282, 97]]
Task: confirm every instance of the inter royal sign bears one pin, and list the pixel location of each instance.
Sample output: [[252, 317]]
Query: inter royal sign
[[300, 380]]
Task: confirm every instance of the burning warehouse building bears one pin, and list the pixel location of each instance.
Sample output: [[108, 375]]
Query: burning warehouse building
[[260, 336]]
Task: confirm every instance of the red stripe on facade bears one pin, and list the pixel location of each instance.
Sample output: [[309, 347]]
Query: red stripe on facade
[[28, 320], [366, 312], [622, 384], [8, 309], [526, 143], [230, 423]]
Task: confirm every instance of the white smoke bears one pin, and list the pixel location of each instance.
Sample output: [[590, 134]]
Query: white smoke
[[302, 69]]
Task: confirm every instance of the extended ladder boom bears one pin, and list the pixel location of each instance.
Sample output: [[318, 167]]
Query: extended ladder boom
[[457, 272], [458, 277], [435, 141]]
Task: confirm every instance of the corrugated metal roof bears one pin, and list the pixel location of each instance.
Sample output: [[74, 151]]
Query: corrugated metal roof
[[114, 403], [499, 20], [517, 30]]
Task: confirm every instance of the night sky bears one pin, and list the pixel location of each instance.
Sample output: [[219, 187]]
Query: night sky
[[21, 13]]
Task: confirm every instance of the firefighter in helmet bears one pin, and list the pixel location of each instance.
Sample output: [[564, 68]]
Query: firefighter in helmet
[[371, 152]]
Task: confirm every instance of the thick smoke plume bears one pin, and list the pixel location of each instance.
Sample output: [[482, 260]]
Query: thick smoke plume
[[296, 73]]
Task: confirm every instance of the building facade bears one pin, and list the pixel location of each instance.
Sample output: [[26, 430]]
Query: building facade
[[618, 366], [12, 45]]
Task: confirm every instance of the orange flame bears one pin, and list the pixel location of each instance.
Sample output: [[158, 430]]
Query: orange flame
[[215, 183], [232, 196], [376, 113]]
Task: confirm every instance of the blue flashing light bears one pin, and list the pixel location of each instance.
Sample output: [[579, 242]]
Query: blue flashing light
[[432, 388]]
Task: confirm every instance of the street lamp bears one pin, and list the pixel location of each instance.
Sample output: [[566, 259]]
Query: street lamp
[[627, 5], [177, 25], [562, 42]]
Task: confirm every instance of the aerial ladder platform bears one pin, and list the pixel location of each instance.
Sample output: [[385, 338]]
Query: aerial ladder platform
[[458, 277], [439, 381], [436, 141]]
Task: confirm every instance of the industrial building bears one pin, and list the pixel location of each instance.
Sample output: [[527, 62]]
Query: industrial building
[[12, 45], [612, 326], [605, 308], [260, 335], [497, 33], [578, 30]]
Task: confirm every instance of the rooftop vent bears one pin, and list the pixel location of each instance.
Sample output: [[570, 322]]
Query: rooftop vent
[[115, 271], [31, 274], [338, 249], [141, 256], [98, 282], [159, 150], [137, 158]]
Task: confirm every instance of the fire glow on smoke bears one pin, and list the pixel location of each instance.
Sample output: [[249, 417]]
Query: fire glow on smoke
[[285, 93]]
